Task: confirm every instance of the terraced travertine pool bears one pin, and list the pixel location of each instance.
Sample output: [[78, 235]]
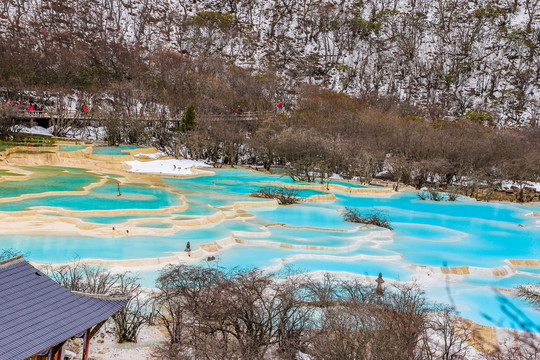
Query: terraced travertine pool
[[114, 150], [56, 214], [70, 147]]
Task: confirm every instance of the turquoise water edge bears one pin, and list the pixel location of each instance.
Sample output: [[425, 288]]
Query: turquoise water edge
[[461, 233]]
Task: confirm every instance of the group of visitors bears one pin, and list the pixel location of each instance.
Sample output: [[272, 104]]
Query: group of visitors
[[236, 110], [84, 110], [36, 107], [22, 105], [284, 106], [281, 107]]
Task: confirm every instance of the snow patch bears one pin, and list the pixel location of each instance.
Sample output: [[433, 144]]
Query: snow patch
[[509, 184], [166, 167], [36, 130], [152, 156]]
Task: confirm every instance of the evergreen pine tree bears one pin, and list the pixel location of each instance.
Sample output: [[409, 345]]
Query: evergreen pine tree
[[189, 120]]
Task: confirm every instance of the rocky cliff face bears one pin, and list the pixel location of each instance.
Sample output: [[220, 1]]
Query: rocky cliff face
[[478, 59]]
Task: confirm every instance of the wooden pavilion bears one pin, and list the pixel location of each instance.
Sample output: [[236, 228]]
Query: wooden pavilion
[[38, 316]]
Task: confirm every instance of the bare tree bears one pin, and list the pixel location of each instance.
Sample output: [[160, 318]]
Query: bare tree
[[243, 314], [358, 323], [138, 311], [446, 336], [7, 121], [83, 278]]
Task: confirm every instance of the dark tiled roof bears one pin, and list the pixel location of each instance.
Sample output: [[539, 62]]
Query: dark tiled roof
[[37, 313]]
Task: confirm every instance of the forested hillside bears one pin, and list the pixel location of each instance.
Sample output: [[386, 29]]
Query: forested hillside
[[447, 58]]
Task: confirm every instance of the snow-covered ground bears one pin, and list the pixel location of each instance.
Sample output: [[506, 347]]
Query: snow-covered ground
[[529, 184], [157, 155], [90, 133], [104, 345], [37, 130], [165, 167]]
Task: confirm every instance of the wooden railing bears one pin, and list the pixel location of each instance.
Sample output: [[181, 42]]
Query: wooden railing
[[78, 115], [246, 116], [67, 114]]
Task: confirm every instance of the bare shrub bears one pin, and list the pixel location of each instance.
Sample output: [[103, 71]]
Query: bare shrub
[[8, 253], [446, 336], [249, 314], [355, 322], [285, 196], [520, 346], [137, 312], [531, 293], [452, 195], [7, 121], [76, 276], [210, 314], [306, 152], [181, 289], [113, 128], [374, 217], [422, 195], [435, 194], [134, 131]]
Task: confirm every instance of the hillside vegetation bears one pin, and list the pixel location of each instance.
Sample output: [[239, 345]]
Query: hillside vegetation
[[457, 58], [427, 93], [334, 134]]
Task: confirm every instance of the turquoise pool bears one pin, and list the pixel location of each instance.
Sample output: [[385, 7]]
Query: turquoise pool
[[71, 147], [114, 150], [310, 237], [8, 173], [45, 179]]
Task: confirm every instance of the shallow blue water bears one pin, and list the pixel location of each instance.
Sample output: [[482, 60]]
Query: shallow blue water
[[351, 184], [308, 237], [506, 282], [59, 249], [105, 197], [392, 269], [47, 178], [119, 219], [230, 186], [70, 147], [534, 270], [465, 232], [114, 150], [8, 173], [486, 305], [461, 233]]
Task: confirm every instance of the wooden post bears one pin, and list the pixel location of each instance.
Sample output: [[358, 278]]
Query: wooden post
[[59, 352], [86, 345]]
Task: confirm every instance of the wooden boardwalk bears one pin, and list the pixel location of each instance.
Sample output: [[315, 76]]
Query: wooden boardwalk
[[80, 117]]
